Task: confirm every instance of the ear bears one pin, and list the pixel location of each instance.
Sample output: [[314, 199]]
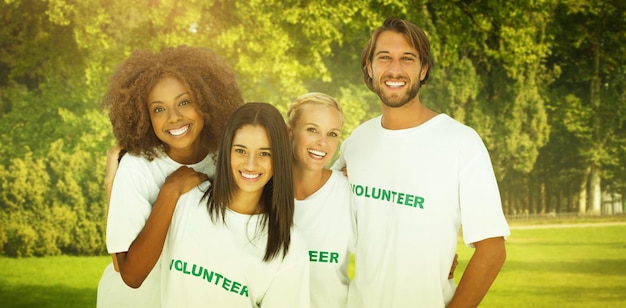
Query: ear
[[368, 67], [290, 132], [423, 72]]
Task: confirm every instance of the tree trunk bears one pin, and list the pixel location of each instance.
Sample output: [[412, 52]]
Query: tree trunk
[[596, 191], [582, 195], [594, 172]]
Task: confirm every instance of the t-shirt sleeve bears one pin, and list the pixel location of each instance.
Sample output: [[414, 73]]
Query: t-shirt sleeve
[[481, 206], [129, 207]]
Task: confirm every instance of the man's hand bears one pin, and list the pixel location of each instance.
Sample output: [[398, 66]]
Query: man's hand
[[455, 262]]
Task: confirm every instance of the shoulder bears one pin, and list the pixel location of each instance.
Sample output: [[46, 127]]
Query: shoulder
[[129, 158], [337, 178], [138, 161], [196, 194], [190, 207], [361, 133], [455, 129], [132, 168], [371, 124]]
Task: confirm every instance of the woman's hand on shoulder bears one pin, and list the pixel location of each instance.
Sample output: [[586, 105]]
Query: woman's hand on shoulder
[[184, 179]]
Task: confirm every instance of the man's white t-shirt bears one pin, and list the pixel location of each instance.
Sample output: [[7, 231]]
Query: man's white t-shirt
[[413, 189]]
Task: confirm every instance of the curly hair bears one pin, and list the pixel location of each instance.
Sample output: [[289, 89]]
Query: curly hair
[[212, 83]]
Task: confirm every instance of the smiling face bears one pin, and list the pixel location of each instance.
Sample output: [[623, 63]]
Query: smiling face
[[315, 135], [395, 69], [175, 118], [251, 159]]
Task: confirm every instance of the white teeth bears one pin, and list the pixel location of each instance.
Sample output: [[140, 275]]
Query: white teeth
[[395, 83], [179, 131], [250, 176], [318, 153]]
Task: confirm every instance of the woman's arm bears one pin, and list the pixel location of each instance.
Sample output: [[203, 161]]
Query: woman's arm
[[144, 252]]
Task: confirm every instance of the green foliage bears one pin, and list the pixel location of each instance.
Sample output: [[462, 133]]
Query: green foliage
[[49, 206], [542, 82], [587, 101]]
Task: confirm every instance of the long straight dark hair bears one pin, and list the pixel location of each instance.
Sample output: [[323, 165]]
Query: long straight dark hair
[[277, 194]]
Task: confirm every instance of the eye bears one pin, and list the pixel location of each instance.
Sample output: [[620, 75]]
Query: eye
[[333, 134], [311, 130], [184, 102], [408, 59], [159, 109], [265, 154], [239, 151]]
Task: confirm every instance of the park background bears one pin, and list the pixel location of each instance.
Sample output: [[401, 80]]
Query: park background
[[543, 82]]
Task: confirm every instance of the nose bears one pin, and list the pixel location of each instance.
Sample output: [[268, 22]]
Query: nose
[[395, 66], [322, 139], [174, 115], [251, 162]]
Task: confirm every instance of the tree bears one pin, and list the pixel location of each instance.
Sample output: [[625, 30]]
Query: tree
[[591, 89]]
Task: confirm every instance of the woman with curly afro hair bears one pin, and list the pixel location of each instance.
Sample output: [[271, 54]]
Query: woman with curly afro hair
[[168, 110]]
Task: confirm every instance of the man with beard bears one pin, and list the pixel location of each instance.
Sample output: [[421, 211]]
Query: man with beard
[[416, 177]]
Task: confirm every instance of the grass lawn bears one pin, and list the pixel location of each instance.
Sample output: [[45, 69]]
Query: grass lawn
[[583, 265], [567, 266], [53, 282]]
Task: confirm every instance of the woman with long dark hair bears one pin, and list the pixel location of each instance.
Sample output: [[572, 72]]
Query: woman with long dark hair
[[230, 242]]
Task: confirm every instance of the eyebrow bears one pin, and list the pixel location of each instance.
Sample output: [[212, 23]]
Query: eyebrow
[[405, 53], [313, 124], [175, 98], [245, 147]]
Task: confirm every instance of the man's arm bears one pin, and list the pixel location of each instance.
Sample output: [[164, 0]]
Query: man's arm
[[481, 271]]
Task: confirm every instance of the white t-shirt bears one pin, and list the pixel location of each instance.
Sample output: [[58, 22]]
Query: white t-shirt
[[135, 188], [324, 218], [217, 264], [413, 189]]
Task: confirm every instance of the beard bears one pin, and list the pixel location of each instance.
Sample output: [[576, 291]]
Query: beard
[[395, 100]]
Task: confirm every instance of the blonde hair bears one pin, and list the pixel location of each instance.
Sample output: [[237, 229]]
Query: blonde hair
[[311, 98]]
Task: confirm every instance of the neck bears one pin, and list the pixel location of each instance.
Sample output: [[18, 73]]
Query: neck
[[246, 203], [188, 156], [307, 182], [412, 114]]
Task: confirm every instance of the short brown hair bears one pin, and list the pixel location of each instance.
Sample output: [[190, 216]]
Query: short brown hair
[[414, 34], [210, 80]]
